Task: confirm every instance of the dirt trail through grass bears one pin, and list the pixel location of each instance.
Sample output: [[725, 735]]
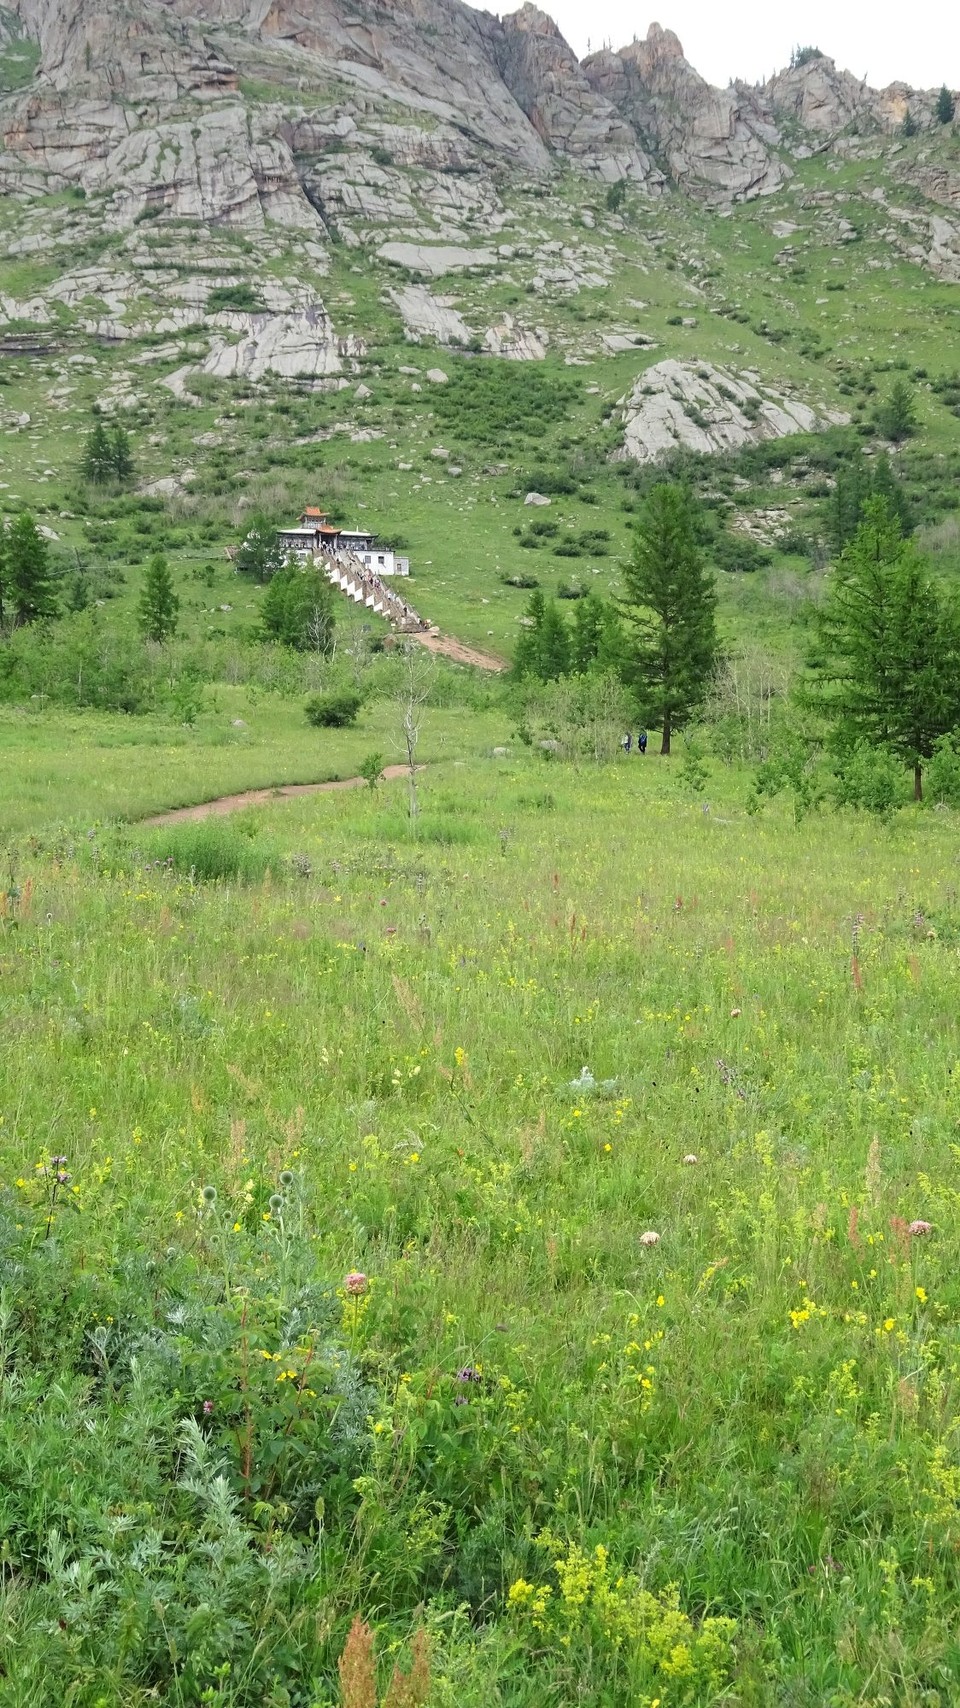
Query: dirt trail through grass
[[461, 654], [262, 797]]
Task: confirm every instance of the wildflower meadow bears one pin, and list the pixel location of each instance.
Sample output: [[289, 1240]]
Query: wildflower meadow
[[503, 1257]]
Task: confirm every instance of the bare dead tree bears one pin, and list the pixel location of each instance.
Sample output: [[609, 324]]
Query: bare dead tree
[[417, 676]]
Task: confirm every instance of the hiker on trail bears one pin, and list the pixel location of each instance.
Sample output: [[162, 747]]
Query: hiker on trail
[[627, 742], [642, 741]]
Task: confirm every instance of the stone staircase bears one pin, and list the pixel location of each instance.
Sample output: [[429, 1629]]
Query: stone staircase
[[355, 581]]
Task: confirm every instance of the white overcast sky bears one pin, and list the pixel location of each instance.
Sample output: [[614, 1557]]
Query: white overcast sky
[[918, 43]]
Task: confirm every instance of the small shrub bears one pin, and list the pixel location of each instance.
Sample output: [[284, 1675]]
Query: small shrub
[[333, 711]]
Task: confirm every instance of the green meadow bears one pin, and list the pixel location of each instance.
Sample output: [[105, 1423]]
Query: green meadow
[[528, 1227]]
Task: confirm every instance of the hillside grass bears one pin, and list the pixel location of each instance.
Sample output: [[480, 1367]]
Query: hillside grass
[[86, 769], [716, 1467]]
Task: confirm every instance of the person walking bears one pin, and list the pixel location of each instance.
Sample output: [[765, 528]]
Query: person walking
[[642, 741], [627, 742]]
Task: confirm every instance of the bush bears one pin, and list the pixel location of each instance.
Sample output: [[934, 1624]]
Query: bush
[[239, 299], [870, 779], [943, 773], [333, 711]]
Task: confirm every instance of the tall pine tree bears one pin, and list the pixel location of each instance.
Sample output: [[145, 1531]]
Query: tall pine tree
[[670, 600], [158, 610], [29, 592], [121, 455], [887, 657], [945, 106], [97, 464]]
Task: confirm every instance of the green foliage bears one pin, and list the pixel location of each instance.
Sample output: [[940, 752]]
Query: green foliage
[[543, 649], [694, 773], [945, 106], [858, 479], [107, 457], [616, 195], [909, 126], [26, 578], [670, 601], [239, 298], [576, 717], [259, 555], [896, 417], [334, 710], [869, 779], [298, 609], [737, 553], [210, 850], [371, 769], [158, 608], [492, 403], [942, 774], [887, 659], [801, 56]]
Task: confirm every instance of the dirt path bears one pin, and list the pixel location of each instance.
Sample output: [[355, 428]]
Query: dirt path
[[459, 653], [263, 797]]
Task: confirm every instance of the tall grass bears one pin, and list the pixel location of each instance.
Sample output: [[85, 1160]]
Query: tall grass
[[361, 1298]]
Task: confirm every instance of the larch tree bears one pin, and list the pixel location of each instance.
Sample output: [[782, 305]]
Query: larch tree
[[158, 610], [887, 656], [670, 601], [28, 592]]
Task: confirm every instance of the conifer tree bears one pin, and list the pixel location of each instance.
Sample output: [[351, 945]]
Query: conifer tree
[[527, 651], [159, 608], [897, 415], [98, 463], [887, 658], [28, 578], [670, 600], [553, 660], [121, 455], [945, 107]]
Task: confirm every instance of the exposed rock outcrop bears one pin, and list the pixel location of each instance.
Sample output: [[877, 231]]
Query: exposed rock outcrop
[[427, 316], [712, 140], [676, 405], [544, 76], [824, 100], [293, 346]]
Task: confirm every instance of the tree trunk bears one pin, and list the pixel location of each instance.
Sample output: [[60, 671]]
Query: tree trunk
[[665, 743], [918, 781]]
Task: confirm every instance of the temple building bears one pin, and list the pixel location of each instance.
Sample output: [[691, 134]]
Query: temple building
[[314, 534]]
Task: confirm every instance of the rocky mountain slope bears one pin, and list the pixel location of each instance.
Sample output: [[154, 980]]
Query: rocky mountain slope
[[212, 207]]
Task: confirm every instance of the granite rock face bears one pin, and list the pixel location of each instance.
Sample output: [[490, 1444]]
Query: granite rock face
[[824, 100], [566, 111], [394, 126], [676, 405], [715, 143]]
